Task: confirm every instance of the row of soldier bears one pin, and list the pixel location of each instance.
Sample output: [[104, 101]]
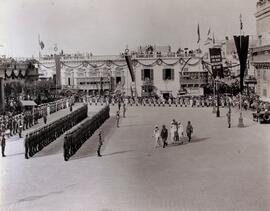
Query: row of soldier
[[182, 102], [78, 135], [38, 139]]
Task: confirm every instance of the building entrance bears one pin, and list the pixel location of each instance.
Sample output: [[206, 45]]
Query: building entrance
[[166, 95]]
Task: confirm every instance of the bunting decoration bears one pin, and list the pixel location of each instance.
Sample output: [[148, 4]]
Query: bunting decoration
[[135, 62]]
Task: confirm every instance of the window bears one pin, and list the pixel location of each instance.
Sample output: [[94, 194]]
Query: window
[[168, 74], [118, 80], [147, 74], [69, 81], [264, 75], [264, 92]]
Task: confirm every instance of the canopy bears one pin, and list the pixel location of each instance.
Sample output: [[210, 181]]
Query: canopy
[[28, 103]]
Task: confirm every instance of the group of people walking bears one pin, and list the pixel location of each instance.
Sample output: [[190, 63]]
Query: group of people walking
[[177, 135]]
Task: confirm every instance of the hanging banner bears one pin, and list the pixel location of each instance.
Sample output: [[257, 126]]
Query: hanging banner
[[129, 64], [242, 44], [216, 61]]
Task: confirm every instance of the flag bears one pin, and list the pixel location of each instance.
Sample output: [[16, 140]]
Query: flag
[[242, 44], [41, 44], [209, 39], [241, 22], [199, 34], [209, 32], [130, 67]]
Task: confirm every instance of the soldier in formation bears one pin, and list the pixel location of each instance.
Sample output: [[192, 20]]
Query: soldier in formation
[[81, 133], [3, 145], [38, 139], [100, 143]]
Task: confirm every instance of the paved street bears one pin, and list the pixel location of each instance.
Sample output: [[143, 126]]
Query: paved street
[[222, 169]]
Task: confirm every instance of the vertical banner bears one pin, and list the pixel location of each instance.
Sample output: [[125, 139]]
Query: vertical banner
[[58, 71], [131, 71], [216, 61], [242, 44]]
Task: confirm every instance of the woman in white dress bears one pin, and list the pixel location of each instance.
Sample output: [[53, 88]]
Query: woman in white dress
[[180, 132], [173, 129], [156, 135]]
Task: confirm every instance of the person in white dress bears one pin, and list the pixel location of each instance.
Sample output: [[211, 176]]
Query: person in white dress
[[156, 135], [180, 132], [173, 129]]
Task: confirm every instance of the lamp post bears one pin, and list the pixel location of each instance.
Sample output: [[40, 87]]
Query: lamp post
[[214, 98], [218, 111]]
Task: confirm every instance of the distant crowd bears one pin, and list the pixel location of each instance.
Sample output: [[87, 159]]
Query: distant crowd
[[13, 123], [248, 102]]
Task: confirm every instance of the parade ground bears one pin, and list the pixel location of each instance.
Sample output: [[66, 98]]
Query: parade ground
[[221, 169]]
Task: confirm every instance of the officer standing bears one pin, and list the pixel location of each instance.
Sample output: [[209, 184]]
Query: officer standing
[[100, 143], [45, 118], [189, 131], [20, 128], [3, 145], [117, 118], [229, 119], [124, 110], [26, 145]]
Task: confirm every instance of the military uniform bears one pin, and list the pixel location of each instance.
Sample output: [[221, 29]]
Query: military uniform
[[3, 145], [100, 143]]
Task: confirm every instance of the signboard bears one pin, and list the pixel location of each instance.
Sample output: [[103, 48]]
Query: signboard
[[215, 55], [216, 61]]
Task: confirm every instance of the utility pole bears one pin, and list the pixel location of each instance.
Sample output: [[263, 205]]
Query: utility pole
[[218, 111]]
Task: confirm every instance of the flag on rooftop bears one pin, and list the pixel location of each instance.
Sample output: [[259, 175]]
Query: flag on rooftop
[[241, 22], [199, 34]]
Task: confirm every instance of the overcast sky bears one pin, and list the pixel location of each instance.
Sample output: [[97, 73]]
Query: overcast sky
[[107, 26]]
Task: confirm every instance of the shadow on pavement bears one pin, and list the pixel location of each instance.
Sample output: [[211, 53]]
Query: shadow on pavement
[[16, 154], [195, 140], [56, 147], [185, 141], [120, 152], [88, 149]]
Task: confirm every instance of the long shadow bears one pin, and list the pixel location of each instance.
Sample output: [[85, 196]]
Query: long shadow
[[196, 140], [134, 125], [89, 147], [116, 153], [56, 147], [193, 140], [16, 154]]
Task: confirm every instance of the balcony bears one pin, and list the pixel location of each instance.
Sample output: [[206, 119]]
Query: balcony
[[148, 83], [193, 81]]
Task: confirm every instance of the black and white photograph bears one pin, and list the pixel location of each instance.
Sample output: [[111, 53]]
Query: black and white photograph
[[135, 105]]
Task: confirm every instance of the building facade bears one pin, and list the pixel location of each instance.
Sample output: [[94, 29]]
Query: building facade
[[261, 52], [158, 71]]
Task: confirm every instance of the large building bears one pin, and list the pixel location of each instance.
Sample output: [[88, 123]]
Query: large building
[[261, 52], [157, 70]]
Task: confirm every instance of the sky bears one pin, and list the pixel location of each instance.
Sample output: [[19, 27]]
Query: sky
[[107, 27]]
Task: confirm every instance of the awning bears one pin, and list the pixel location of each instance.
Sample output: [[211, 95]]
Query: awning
[[28, 103]]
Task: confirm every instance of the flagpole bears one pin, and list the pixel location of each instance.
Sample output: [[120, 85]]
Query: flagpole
[[240, 120], [39, 53]]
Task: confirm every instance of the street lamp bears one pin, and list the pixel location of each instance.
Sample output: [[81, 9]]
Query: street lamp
[[218, 111], [214, 98]]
